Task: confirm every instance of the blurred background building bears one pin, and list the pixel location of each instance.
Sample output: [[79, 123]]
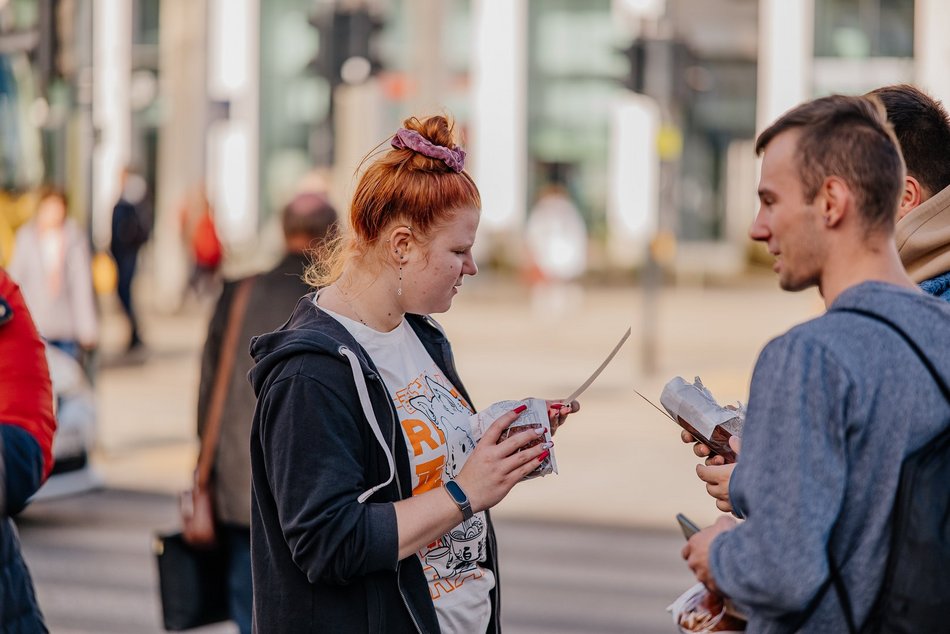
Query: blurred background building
[[643, 110]]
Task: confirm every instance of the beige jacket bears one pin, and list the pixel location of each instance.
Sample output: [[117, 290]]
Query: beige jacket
[[923, 238]]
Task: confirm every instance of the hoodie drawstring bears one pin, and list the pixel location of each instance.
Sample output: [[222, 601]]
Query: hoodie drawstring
[[370, 415]]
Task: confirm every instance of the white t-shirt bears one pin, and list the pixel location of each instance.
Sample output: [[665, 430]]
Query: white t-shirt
[[434, 420]]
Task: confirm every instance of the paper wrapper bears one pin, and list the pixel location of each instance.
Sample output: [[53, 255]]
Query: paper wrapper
[[535, 416], [695, 409], [698, 610]]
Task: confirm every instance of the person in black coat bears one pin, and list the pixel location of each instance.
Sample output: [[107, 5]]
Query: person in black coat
[[308, 221], [131, 226]]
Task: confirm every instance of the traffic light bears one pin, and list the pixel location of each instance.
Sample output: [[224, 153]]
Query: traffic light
[[636, 54], [660, 68], [47, 50], [347, 45]]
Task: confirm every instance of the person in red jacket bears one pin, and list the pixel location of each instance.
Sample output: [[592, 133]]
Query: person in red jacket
[[27, 425]]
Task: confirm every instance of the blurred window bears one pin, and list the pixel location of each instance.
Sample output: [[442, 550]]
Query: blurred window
[[25, 15], [574, 73], [145, 22], [864, 28]]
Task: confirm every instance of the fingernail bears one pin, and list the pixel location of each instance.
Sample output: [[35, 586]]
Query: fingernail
[[520, 409], [557, 405], [543, 456]]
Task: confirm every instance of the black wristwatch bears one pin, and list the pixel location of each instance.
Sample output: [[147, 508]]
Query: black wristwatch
[[458, 496]]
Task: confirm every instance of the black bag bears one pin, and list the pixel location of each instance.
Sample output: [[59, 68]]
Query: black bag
[[193, 583], [915, 594]]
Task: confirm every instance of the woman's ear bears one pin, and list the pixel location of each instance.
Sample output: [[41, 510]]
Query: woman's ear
[[400, 243]]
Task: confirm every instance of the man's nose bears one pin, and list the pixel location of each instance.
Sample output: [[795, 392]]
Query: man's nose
[[758, 230]]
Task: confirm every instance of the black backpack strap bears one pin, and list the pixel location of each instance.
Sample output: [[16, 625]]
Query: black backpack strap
[[941, 382], [836, 579]]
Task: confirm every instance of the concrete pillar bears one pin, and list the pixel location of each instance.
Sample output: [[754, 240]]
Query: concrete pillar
[[233, 173], [786, 53], [634, 181], [181, 145], [426, 24], [111, 112], [357, 130], [932, 47], [499, 117]]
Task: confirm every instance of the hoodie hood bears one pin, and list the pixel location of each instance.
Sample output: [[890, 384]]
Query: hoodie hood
[[923, 238], [311, 330]]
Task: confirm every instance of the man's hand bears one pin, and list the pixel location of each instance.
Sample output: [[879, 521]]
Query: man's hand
[[716, 475], [696, 551], [699, 448]]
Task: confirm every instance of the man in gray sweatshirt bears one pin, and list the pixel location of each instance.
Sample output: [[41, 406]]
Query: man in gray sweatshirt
[[837, 403]]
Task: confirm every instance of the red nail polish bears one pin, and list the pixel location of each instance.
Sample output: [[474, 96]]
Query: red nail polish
[[520, 409], [544, 455], [557, 405]]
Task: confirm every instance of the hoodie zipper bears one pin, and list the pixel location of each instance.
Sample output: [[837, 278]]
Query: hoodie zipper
[[392, 451]]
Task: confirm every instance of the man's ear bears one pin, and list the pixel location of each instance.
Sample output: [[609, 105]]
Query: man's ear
[[912, 196], [837, 201]]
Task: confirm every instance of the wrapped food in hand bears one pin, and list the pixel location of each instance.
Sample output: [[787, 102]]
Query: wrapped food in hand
[[699, 610], [535, 417], [695, 409]]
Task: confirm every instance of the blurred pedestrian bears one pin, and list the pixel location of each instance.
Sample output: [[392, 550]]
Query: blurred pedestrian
[[557, 243], [131, 226], [204, 246], [51, 263], [369, 492], [836, 404], [26, 440], [308, 222]]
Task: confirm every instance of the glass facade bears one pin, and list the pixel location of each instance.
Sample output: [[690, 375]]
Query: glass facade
[[574, 74], [45, 106], [862, 44], [864, 28], [295, 101]]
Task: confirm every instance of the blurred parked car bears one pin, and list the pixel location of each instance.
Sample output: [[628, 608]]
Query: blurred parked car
[[75, 408]]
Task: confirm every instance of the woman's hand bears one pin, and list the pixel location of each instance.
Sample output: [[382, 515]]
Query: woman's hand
[[495, 467], [558, 413]]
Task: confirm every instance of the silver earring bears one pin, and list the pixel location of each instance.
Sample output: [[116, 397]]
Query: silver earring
[[399, 290]]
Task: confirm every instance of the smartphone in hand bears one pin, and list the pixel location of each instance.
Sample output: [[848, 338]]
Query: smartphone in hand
[[689, 526]]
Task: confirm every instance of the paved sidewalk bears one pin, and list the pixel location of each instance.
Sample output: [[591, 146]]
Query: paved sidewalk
[[620, 461]]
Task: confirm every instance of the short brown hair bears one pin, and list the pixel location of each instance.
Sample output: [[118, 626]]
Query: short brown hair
[[310, 215], [922, 128], [848, 137], [402, 185]]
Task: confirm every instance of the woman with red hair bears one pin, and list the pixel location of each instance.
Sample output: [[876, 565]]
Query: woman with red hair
[[370, 490]]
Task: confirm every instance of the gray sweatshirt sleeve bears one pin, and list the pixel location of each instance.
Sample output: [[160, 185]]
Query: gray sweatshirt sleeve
[[789, 481]]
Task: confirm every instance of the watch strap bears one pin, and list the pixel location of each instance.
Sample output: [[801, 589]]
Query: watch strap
[[460, 498]]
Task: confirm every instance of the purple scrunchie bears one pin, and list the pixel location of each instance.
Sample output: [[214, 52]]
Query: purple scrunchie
[[453, 157]]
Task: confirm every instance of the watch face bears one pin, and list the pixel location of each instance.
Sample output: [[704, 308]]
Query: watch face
[[456, 492]]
